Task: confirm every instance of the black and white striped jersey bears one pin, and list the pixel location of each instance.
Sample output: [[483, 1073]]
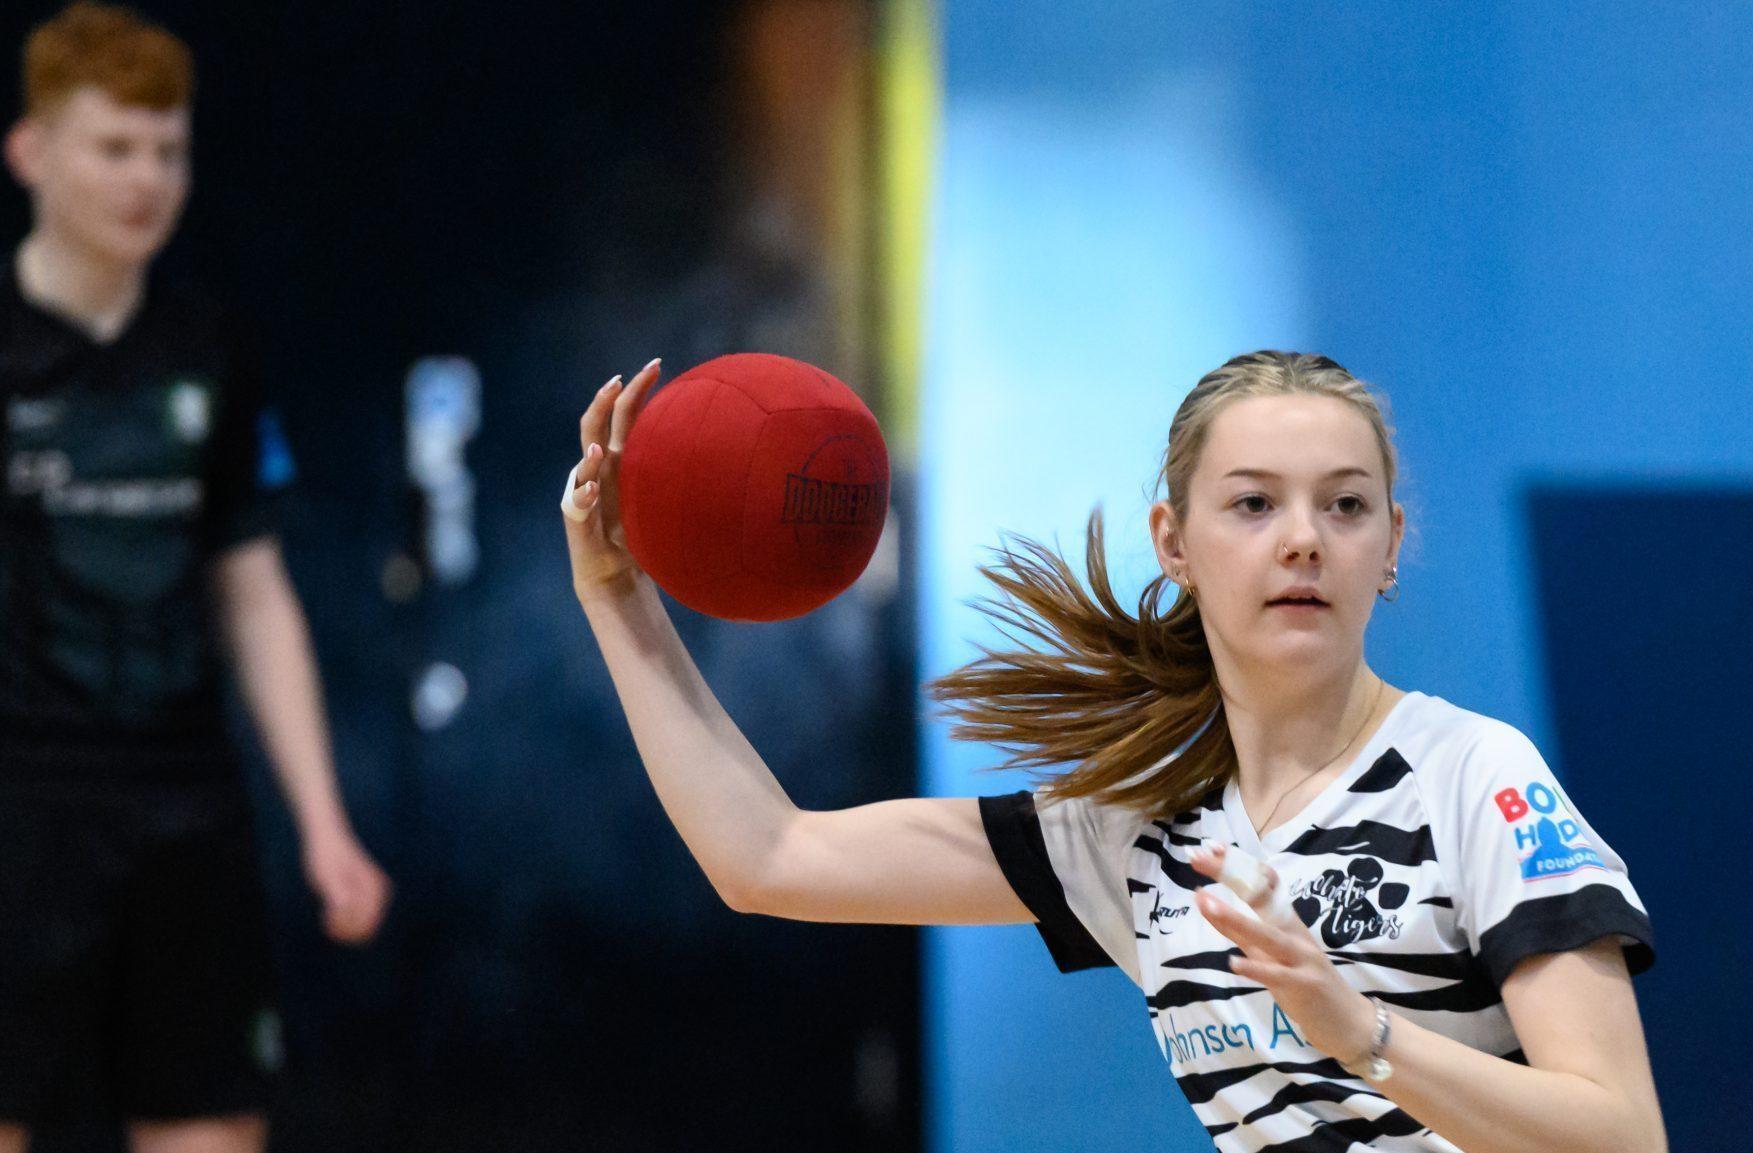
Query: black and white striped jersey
[[1442, 856]]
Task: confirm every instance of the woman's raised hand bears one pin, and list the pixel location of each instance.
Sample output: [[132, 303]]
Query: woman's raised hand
[[591, 502]]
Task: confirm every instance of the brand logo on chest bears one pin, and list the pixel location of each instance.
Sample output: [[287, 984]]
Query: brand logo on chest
[[190, 404], [1162, 917]]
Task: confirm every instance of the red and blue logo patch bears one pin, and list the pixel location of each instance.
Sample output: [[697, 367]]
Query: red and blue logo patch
[[1549, 841]]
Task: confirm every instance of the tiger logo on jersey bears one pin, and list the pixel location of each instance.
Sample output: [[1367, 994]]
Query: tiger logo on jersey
[[1350, 905]]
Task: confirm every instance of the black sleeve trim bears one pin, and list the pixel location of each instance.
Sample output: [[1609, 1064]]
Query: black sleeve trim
[[1563, 922], [1014, 830]]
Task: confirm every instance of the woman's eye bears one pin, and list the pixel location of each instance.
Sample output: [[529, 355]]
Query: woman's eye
[[1252, 503], [1350, 505]]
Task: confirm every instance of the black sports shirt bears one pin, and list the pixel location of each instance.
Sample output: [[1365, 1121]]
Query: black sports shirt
[[128, 466]]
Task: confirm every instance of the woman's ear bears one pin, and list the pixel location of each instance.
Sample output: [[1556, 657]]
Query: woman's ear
[[1397, 536], [1165, 536]]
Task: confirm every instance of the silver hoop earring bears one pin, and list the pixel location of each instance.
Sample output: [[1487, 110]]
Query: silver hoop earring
[[1392, 592]]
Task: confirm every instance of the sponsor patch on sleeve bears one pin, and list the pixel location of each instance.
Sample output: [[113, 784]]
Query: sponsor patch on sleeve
[[1549, 840]]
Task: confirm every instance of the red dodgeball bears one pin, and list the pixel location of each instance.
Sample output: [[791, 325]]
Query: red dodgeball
[[754, 487]]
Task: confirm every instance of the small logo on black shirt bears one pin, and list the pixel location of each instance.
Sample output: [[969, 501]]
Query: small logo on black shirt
[[191, 404]]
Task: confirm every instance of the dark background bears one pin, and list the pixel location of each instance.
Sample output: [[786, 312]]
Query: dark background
[[1637, 668], [558, 193]]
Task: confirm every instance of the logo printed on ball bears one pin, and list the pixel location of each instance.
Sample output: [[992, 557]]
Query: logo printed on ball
[[809, 500], [825, 510]]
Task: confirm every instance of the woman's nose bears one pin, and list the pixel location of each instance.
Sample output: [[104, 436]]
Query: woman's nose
[[1301, 540]]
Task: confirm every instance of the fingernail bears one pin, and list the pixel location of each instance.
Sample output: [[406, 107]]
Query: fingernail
[[655, 361], [590, 488], [594, 451], [612, 382]]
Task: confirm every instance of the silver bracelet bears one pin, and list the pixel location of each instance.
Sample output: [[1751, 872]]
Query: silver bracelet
[[1373, 1066]]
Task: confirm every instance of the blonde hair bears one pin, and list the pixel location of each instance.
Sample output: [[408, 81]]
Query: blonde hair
[[1129, 702]]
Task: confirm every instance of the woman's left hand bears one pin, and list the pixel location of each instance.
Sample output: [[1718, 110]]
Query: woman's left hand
[[1331, 1015]]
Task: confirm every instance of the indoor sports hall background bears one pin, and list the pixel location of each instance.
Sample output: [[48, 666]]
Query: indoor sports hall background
[[1022, 230]]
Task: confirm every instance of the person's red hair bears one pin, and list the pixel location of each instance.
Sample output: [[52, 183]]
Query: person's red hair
[[107, 47]]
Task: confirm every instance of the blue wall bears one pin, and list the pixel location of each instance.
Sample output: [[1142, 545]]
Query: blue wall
[[1528, 225]]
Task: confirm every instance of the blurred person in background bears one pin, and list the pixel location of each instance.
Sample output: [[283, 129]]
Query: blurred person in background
[[137, 545]]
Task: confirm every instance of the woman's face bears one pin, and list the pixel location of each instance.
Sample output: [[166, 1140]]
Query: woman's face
[[1289, 533]]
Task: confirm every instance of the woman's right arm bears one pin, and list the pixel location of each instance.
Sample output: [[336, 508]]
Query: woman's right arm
[[916, 861]]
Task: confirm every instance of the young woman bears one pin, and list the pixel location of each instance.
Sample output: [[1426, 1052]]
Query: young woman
[[1442, 957]]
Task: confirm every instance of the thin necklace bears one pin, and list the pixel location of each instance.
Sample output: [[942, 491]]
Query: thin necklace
[[1381, 687]]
